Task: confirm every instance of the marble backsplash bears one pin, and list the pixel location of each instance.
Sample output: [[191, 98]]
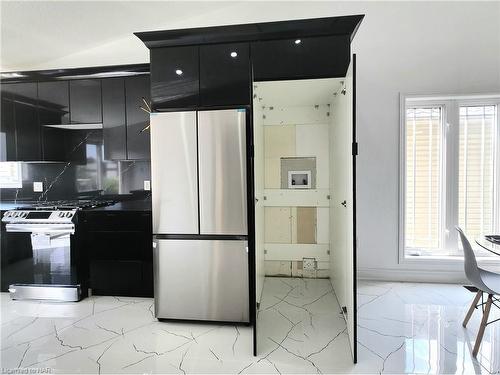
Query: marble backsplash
[[70, 180]]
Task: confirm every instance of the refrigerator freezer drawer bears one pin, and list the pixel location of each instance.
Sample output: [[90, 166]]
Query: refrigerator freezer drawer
[[201, 280], [174, 173], [223, 172]]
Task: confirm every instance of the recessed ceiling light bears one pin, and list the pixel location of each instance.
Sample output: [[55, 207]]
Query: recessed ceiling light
[[178, 72], [234, 54], [298, 41]]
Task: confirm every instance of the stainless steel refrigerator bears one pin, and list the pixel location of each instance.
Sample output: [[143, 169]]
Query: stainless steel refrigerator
[[199, 192]]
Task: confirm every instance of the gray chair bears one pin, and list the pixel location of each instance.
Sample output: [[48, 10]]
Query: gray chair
[[486, 282]]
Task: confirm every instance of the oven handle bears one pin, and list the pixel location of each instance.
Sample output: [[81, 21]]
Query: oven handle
[[39, 228]]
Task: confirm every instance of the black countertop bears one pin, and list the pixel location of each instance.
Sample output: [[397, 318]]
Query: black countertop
[[11, 205], [142, 205], [135, 205]]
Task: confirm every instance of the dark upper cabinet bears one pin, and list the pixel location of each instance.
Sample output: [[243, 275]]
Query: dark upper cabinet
[[53, 111], [175, 77], [7, 127], [85, 101], [53, 102], [304, 58], [24, 97], [225, 74], [60, 141], [113, 119], [138, 143]]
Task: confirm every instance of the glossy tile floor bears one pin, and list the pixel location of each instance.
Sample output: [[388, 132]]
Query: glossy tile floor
[[403, 328]]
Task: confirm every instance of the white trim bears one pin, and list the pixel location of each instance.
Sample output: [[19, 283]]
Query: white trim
[[412, 275], [449, 190], [479, 98]]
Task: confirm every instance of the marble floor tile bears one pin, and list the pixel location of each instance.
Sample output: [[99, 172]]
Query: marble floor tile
[[402, 328]]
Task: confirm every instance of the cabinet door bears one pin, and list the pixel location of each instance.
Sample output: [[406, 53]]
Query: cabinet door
[[53, 110], [138, 143], [113, 119], [26, 119], [85, 101], [225, 74], [175, 77], [7, 127], [118, 278], [305, 58]]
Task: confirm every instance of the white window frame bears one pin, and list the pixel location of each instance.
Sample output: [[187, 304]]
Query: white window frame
[[450, 105]]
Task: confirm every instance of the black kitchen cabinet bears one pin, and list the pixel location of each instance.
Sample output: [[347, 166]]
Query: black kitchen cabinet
[[53, 112], [225, 74], [27, 129], [113, 119], [85, 101], [304, 58], [7, 127], [120, 252], [175, 77], [138, 142], [53, 102], [61, 141]]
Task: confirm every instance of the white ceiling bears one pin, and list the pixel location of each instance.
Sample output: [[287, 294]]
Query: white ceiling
[[65, 34], [47, 33], [297, 92]]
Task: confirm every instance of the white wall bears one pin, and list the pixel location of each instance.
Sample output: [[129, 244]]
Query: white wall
[[409, 47]]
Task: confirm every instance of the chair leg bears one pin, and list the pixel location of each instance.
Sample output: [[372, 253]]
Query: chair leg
[[472, 308], [482, 327]]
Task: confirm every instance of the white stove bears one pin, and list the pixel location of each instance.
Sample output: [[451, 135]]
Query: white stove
[[38, 217]]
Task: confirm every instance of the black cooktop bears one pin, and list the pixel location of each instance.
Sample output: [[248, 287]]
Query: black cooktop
[[76, 204]]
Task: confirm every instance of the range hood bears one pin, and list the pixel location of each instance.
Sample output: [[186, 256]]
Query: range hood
[[91, 126]]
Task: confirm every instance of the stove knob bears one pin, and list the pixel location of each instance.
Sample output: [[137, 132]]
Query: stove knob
[[61, 214], [68, 214], [16, 214], [24, 214]]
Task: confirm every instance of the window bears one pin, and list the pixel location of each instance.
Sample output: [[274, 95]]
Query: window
[[450, 171], [10, 175], [423, 176], [476, 190]]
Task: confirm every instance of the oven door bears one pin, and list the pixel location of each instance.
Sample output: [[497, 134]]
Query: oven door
[[38, 254]]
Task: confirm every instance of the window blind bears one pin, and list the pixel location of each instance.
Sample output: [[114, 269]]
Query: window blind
[[423, 177], [476, 186]]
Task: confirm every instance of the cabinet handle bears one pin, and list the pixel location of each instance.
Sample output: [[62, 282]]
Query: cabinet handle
[[144, 128], [344, 203], [148, 106]]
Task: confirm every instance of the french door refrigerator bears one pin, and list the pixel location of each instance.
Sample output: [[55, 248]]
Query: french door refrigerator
[[199, 194]]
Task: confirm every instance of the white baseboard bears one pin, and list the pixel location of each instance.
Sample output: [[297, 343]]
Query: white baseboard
[[412, 275]]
